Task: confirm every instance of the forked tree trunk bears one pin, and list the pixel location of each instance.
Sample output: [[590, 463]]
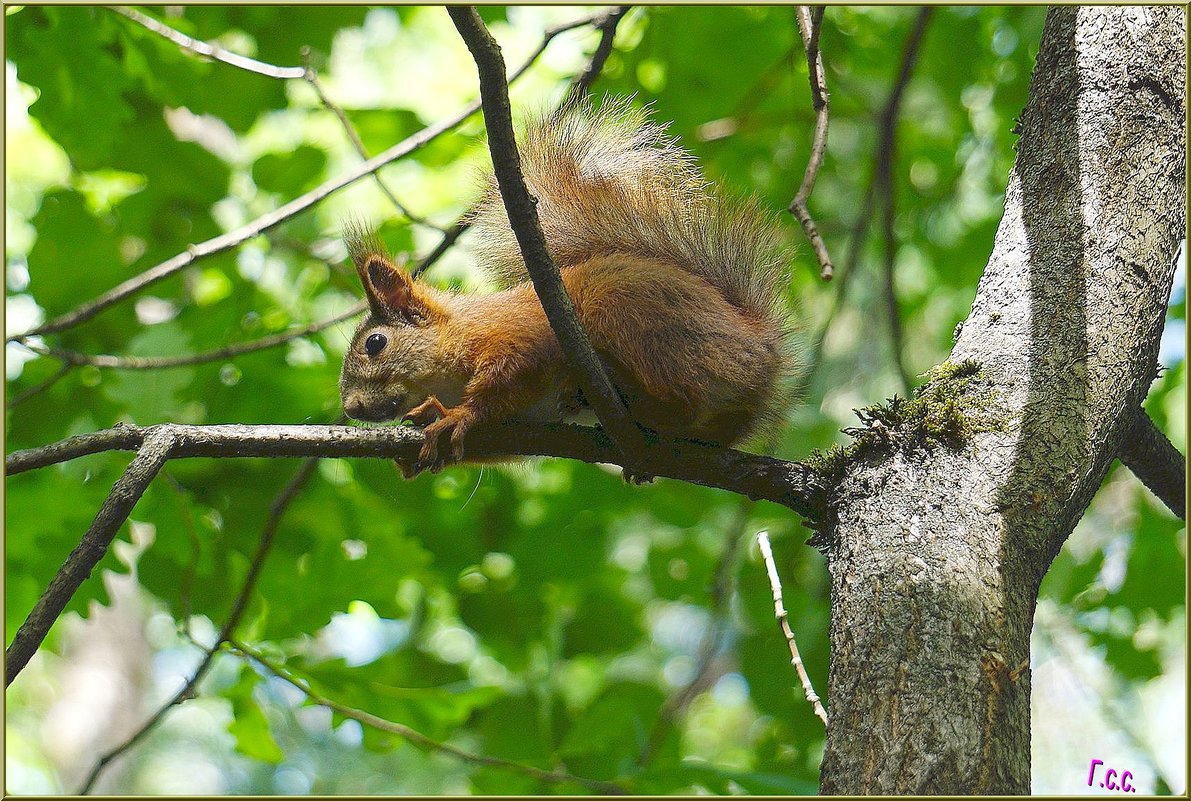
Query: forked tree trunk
[[938, 554]]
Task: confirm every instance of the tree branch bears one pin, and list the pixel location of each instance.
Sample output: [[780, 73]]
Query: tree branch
[[155, 448], [419, 739], [560, 311], [72, 358], [353, 136], [886, 130], [789, 484], [1156, 462], [783, 619], [719, 623], [594, 67], [884, 182], [207, 50], [239, 605], [809, 26], [581, 86], [59, 374], [231, 239]]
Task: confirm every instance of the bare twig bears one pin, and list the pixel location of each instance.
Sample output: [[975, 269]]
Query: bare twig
[[17, 400], [560, 311], [886, 130], [889, 289], [779, 611], [73, 358], [239, 605], [419, 739], [449, 238], [884, 180], [808, 27], [207, 50], [1156, 462], [581, 86], [353, 136], [89, 309], [155, 449]]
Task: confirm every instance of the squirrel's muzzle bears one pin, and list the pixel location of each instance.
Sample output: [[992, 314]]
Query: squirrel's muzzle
[[359, 408]]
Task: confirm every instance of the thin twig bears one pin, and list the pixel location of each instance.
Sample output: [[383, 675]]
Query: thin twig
[[239, 605], [581, 86], [523, 218], [808, 28], [212, 51], [779, 611], [73, 358], [155, 449], [265, 222], [886, 129], [1156, 462], [884, 180], [20, 398], [449, 238], [353, 136], [416, 737]]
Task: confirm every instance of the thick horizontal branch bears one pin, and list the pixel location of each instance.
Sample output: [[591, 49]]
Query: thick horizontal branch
[[1156, 462], [523, 218], [758, 477]]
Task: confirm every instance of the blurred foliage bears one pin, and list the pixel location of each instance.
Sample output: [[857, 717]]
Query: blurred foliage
[[543, 612]]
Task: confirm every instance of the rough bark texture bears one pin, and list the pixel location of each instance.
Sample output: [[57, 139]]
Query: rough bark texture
[[937, 555]]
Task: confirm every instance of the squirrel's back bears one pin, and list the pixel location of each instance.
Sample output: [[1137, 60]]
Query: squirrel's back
[[611, 181]]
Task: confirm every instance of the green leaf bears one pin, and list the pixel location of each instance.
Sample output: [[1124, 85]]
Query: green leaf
[[291, 173], [81, 100], [249, 725]]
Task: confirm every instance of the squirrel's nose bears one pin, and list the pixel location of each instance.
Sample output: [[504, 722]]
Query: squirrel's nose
[[354, 408], [357, 409]]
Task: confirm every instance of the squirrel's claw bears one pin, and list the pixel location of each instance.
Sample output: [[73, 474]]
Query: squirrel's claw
[[635, 478], [409, 470], [457, 421]]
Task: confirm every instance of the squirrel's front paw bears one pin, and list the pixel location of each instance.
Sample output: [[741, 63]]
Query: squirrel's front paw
[[426, 412], [457, 421]]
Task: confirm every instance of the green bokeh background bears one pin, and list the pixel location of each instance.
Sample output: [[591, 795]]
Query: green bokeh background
[[543, 612]]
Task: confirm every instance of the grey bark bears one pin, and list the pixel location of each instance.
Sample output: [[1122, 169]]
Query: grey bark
[[937, 554]]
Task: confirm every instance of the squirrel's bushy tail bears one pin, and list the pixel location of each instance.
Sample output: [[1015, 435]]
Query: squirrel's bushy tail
[[611, 181]]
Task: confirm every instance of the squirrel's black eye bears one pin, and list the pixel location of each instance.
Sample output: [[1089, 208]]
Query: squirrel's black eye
[[375, 344]]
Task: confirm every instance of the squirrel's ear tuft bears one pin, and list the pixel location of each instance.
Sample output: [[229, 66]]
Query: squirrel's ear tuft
[[388, 287]]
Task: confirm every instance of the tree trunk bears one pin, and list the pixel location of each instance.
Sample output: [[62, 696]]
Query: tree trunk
[[938, 553]]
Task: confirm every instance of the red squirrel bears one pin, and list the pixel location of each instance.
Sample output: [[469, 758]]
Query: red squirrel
[[677, 286]]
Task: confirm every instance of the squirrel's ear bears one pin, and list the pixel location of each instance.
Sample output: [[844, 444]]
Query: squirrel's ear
[[388, 287]]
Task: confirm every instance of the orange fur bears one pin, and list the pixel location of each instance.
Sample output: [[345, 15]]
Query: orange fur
[[675, 286]]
